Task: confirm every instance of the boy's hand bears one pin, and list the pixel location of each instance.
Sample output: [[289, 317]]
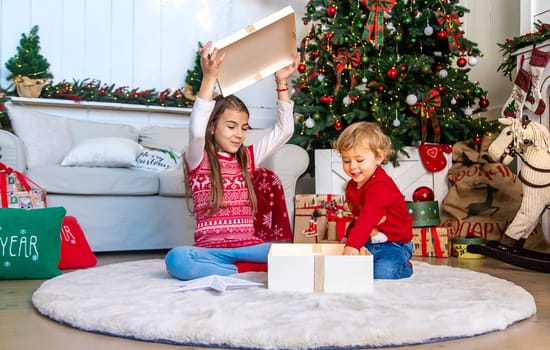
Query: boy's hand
[[350, 251]]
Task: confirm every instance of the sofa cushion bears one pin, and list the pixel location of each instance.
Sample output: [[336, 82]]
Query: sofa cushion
[[46, 138], [171, 183], [110, 152], [95, 181], [172, 139], [156, 159], [86, 129]]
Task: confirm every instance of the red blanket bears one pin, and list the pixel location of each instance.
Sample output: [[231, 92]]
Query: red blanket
[[271, 222]]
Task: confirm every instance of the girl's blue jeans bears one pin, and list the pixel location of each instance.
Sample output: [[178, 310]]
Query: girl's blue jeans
[[188, 262], [391, 260]]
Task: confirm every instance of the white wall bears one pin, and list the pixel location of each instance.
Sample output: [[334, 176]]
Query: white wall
[[137, 43], [152, 43]]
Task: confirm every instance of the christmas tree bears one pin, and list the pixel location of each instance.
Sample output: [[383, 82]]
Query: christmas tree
[[402, 64], [28, 61]]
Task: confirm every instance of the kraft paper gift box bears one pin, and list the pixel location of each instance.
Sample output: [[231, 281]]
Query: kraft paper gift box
[[257, 51], [319, 218], [433, 241], [319, 268]]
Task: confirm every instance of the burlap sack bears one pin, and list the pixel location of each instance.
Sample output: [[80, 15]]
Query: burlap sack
[[483, 196]]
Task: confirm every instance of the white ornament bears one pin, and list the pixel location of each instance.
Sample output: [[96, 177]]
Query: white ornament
[[443, 73], [411, 99], [396, 122], [387, 15], [468, 110], [310, 123], [472, 61], [391, 27], [347, 100], [364, 80], [453, 101], [321, 77], [428, 30]]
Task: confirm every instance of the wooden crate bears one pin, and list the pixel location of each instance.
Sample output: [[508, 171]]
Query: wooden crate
[[409, 175]]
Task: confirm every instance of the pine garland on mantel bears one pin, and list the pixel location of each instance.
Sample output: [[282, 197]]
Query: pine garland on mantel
[[508, 65]]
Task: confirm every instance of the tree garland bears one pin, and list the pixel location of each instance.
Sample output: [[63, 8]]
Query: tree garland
[[510, 46]]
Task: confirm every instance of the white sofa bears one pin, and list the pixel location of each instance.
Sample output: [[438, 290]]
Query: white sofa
[[119, 208]]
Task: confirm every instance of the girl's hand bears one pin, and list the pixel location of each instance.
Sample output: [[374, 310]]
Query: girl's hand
[[284, 73], [210, 64], [210, 60]]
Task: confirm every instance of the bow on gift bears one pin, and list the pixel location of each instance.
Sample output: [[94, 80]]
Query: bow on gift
[[426, 109], [350, 60], [4, 171], [375, 22], [451, 23]]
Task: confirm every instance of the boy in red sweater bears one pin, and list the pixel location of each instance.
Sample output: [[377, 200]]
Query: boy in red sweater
[[381, 221]]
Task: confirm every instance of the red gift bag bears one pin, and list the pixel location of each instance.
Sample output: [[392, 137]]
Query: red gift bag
[[75, 250]]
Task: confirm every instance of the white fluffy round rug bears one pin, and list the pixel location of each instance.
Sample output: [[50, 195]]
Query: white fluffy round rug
[[139, 300]]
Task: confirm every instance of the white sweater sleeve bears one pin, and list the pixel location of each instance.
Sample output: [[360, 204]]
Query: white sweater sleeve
[[197, 128], [279, 135]]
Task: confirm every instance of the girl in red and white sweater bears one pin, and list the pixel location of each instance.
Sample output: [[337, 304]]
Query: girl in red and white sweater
[[218, 167]]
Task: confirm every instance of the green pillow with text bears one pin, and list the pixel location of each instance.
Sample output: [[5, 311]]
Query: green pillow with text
[[30, 243]]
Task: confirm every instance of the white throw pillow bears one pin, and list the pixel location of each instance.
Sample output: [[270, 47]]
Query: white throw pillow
[[156, 159], [109, 152], [47, 138]]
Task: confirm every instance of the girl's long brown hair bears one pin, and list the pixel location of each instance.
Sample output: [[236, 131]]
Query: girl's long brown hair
[[216, 195]]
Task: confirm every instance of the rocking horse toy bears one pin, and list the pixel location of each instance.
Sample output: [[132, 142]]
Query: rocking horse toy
[[530, 141]]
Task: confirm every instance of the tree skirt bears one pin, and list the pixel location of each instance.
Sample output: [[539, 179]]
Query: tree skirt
[[139, 300]]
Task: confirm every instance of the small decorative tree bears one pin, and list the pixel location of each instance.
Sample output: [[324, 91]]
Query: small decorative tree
[[28, 68]]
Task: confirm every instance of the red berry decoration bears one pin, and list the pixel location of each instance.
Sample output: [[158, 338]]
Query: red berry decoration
[[393, 73], [423, 194], [483, 102], [337, 124], [331, 11], [301, 68], [461, 62]]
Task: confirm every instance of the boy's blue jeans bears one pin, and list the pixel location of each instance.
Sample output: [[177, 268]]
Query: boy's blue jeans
[[391, 259], [188, 262]]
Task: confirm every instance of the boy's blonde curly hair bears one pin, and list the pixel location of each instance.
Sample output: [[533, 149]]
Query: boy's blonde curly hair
[[365, 135]]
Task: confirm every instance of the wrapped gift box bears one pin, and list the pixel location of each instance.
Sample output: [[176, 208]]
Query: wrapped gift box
[[319, 268], [431, 241], [257, 51], [320, 218]]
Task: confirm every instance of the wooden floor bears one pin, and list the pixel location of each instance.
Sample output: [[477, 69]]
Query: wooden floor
[[22, 328]]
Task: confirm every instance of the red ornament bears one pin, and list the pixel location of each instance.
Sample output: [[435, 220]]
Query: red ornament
[[423, 194], [393, 73], [331, 11], [438, 67], [337, 124], [301, 68], [441, 88], [380, 88], [404, 68], [323, 99], [461, 62], [354, 98], [477, 140], [483, 102], [330, 99], [441, 35]]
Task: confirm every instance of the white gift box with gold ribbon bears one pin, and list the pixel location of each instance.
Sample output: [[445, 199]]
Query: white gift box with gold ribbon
[[319, 268]]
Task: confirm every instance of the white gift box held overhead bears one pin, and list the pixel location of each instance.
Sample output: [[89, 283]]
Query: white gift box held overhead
[[320, 268], [257, 51]]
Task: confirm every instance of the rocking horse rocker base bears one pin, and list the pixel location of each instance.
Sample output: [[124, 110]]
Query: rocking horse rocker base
[[524, 258]]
